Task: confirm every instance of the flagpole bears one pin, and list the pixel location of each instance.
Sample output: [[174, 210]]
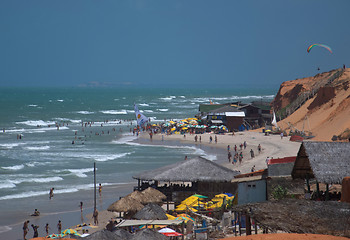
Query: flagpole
[[94, 186]]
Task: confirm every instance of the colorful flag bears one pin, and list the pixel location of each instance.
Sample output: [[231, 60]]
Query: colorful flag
[[141, 119]]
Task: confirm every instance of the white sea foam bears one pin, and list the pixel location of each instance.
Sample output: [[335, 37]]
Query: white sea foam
[[14, 168], [144, 104], [36, 180], [115, 112], [182, 96], [32, 105], [60, 100], [80, 172], [34, 164], [167, 98], [7, 185], [163, 109], [36, 123], [10, 145], [24, 195], [38, 148], [85, 112], [5, 229], [150, 111]]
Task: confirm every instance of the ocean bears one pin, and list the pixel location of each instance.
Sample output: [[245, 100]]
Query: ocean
[[36, 155]]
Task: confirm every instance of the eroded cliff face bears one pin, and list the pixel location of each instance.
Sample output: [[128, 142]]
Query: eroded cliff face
[[319, 105], [290, 90]]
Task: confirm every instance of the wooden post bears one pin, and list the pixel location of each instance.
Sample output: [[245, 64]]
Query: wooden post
[[248, 225], [239, 224], [308, 184], [327, 192], [255, 227], [234, 222], [94, 186]]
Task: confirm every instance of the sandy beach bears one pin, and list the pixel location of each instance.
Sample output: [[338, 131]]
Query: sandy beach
[[272, 146]]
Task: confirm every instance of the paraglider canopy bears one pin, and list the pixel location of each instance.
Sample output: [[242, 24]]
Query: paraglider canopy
[[319, 45]]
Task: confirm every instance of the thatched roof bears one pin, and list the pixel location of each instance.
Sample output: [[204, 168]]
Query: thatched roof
[[123, 234], [153, 195], [301, 216], [151, 211], [328, 162], [149, 234], [103, 235], [126, 204], [192, 170]]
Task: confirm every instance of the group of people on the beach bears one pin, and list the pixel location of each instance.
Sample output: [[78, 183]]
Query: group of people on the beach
[[35, 229], [238, 155]]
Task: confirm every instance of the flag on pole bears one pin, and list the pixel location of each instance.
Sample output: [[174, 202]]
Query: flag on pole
[[141, 119], [274, 122]]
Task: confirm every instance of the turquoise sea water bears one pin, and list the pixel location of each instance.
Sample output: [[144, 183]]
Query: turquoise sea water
[[45, 157]]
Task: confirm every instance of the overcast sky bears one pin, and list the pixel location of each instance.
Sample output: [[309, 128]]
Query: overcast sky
[[223, 43]]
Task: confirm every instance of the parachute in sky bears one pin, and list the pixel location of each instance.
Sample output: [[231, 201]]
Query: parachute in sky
[[319, 45]]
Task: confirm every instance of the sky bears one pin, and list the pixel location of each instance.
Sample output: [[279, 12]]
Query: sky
[[169, 43]]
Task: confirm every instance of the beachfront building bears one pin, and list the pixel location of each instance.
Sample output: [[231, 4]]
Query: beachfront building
[[180, 180], [322, 162], [236, 115]]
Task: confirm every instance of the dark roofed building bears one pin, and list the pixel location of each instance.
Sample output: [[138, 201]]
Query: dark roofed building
[[327, 162], [206, 177]]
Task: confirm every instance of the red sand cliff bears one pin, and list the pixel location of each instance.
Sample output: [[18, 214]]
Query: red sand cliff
[[319, 104]]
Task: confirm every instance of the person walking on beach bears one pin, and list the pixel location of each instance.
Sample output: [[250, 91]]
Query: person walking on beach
[[35, 228], [100, 189], [200, 138], [95, 216], [240, 158], [47, 229], [51, 193], [229, 156], [259, 148], [235, 148], [59, 226], [245, 144], [81, 206], [228, 148], [210, 139], [251, 153], [216, 139], [25, 229]]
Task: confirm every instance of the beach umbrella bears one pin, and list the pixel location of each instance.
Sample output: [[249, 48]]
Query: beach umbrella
[[151, 211], [185, 219], [153, 195], [184, 128], [214, 127], [169, 232]]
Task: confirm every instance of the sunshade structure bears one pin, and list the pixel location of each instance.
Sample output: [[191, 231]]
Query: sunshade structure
[[193, 203], [126, 204], [151, 211], [123, 234], [103, 235], [153, 195], [192, 170], [149, 234], [328, 162]]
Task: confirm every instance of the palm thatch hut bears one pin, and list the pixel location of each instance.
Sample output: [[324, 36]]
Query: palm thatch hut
[[206, 177], [151, 211], [149, 234], [153, 195], [123, 234], [300, 216], [126, 204], [327, 162]]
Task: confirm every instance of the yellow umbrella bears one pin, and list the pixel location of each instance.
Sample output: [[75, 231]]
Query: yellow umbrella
[[170, 217], [173, 129], [184, 128]]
